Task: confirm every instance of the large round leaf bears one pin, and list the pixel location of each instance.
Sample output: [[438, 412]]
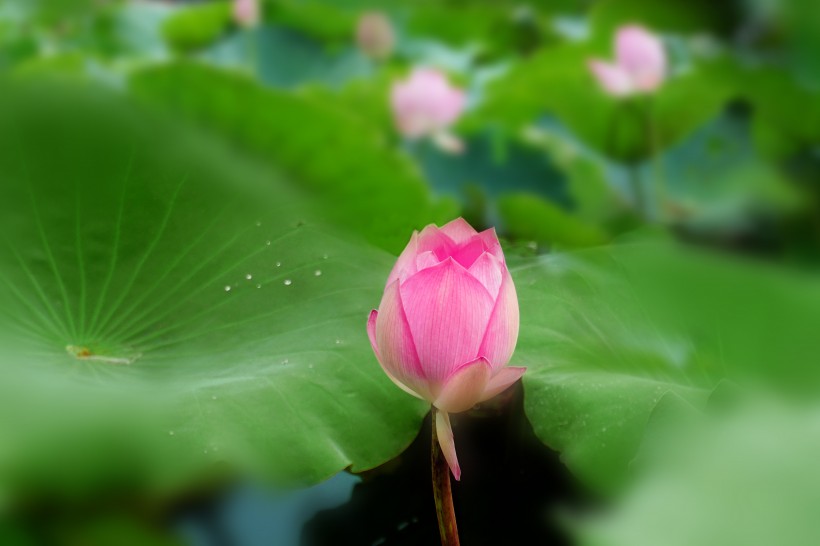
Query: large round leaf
[[366, 186], [747, 477], [165, 305], [285, 58], [607, 332], [719, 182]]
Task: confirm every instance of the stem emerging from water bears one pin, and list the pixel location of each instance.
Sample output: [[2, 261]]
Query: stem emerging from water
[[442, 492]]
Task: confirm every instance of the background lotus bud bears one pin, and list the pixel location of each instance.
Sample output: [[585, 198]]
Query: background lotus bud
[[448, 142], [246, 12], [425, 104], [639, 67], [375, 36], [447, 324]]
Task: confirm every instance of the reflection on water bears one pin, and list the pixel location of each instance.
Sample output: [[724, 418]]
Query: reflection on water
[[248, 515]]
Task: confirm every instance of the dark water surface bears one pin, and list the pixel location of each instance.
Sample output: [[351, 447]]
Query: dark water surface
[[512, 492]]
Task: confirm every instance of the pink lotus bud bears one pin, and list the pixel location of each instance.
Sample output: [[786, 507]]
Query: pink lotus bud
[[640, 63], [246, 12], [448, 322], [374, 35], [425, 104]]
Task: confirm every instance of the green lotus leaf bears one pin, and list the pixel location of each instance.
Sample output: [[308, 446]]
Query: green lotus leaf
[[167, 306], [362, 183], [606, 333]]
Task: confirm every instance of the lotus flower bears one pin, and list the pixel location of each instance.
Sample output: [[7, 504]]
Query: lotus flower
[[426, 105], [374, 35], [448, 323], [639, 67], [246, 12]]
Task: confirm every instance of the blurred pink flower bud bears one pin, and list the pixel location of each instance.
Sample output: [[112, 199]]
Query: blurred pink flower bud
[[246, 12], [374, 35], [639, 67], [448, 322], [448, 142], [425, 104]]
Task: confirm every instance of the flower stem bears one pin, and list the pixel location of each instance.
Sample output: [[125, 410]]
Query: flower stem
[[637, 190], [655, 156], [442, 492]]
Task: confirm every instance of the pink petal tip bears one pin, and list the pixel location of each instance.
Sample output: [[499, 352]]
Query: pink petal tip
[[444, 433]]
